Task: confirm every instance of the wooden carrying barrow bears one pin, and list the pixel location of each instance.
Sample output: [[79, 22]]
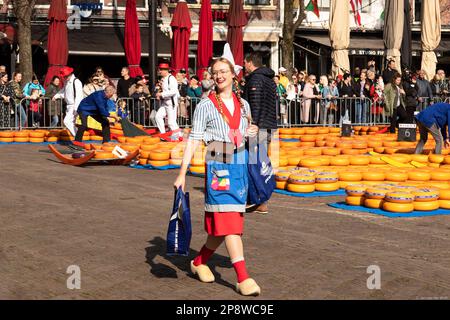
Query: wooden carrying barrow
[[90, 157]]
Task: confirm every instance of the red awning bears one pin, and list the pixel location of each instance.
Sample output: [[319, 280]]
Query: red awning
[[236, 21], [132, 39]]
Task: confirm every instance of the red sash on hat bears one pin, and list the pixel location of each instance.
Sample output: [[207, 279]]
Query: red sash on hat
[[233, 121]]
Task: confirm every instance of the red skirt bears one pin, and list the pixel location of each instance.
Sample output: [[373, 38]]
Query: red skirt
[[224, 223]]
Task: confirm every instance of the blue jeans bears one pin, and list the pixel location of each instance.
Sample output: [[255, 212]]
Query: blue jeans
[[55, 121], [23, 116], [360, 111]]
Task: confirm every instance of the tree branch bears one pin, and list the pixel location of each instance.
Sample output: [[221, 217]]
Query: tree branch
[[301, 17]]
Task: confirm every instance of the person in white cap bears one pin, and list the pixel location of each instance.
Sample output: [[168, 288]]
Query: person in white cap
[[72, 94], [223, 121], [283, 79]]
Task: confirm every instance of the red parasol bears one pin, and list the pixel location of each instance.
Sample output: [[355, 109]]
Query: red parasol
[[132, 39], [205, 38], [181, 26], [236, 21], [57, 46]]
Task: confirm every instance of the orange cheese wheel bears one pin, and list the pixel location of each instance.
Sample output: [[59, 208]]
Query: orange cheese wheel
[[305, 188], [355, 190], [301, 179], [396, 176], [129, 147], [21, 139], [327, 177], [310, 162], [331, 151], [307, 144], [312, 152], [144, 154], [436, 158], [104, 155], [280, 184], [339, 161], [151, 140], [116, 131], [142, 161], [354, 201], [96, 138], [374, 175], [159, 155], [299, 131], [416, 175], [158, 163], [373, 203], [37, 140], [359, 145], [135, 140], [399, 197], [374, 143], [6, 134], [425, 194], [293, 160], [51, 139], [175, 162], [360, 160], [148, 147], [440, 175], [122, 139], [108, 147], [21, 134], [282, 176], [199, 169], [426, 206], [444, 204], [196, 162], [283, 161], [327, 187], [8, 140], [375, 193], [350, 176], [398, 207], [419, 158], [444, 194], [308, 138], [36, 134]]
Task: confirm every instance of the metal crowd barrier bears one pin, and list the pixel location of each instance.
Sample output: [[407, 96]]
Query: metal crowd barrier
[[144, 111], [41, 113], [46, 114]]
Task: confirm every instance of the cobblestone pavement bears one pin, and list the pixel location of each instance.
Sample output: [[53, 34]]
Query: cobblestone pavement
[[112, 222]]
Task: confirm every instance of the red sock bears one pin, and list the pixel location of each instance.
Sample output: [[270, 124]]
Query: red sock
[[241, 270], [203, 256]]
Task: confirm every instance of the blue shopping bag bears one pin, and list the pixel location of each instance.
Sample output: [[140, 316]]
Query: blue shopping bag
[[180, 229], [261, 177]]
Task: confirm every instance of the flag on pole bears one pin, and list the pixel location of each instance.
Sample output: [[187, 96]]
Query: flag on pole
[[312, 6], [356, 8]]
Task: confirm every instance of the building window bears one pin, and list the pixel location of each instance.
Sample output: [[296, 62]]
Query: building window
[[417, 10], [324, 5]]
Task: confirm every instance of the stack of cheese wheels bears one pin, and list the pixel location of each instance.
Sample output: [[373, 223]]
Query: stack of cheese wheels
[[158, 158], [36, 136], [355, 194], [327, 181], [197, 164], [444, 198], [281, 179], [6, 136], [374, 196], [301, 182], [398, 201], [21, 136], [426, 199]]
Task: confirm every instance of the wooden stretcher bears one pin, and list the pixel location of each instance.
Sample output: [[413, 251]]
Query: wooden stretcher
[[89, 157]]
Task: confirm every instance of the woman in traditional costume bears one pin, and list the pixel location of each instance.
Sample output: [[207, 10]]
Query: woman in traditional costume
[[222, 121]]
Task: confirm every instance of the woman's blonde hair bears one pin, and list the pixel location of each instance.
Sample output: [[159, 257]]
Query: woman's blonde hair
[[235, 81]]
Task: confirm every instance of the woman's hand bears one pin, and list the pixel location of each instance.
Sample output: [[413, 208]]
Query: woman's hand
[[252, 130], [180, 182]]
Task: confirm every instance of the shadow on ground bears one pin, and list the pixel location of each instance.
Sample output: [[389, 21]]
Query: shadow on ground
[[158, 247]]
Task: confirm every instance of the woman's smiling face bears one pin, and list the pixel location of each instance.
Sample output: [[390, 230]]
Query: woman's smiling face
[[222, 75]]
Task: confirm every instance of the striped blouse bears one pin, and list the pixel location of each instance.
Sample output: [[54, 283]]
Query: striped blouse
[[208, 124]]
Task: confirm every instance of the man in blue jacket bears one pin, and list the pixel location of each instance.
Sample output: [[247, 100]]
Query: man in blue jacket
[[95, 105], [434, 119]]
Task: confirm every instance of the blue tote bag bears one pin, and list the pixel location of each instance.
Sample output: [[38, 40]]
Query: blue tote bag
[[261, 178], [180, 229]]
